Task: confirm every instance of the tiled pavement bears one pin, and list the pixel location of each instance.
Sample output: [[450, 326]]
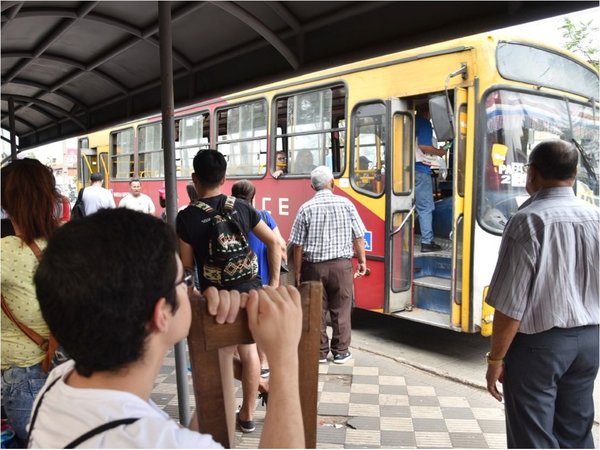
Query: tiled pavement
[[374, 402]]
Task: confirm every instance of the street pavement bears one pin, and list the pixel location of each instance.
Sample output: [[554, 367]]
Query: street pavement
[[407, 386]]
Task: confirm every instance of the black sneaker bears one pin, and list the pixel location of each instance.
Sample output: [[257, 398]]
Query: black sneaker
[[431, 247], [264, 373], [247, 426], [341, 358], [322, 360]]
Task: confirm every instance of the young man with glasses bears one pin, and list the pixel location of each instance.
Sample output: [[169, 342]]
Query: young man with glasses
[[118, 305]]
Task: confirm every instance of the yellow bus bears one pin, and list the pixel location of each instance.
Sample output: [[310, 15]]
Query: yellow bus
[[492, 99]]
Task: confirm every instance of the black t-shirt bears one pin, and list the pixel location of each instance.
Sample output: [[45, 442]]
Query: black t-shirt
[[193, 226]]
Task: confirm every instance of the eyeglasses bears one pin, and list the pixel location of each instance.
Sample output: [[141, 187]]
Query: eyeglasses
[[281, 158], [188, 278]]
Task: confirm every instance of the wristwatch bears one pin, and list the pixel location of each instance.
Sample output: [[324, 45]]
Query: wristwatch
[[493, 362]]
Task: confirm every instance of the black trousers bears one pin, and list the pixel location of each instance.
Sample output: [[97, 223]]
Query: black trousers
[[548, 385]]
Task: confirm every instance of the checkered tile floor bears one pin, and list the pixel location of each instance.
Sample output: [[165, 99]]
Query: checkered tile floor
[[374, 402]]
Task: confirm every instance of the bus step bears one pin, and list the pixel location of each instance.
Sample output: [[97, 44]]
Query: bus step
[[443, 284], [426, 316]]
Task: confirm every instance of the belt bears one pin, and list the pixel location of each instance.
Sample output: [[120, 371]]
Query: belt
[[327, 260]]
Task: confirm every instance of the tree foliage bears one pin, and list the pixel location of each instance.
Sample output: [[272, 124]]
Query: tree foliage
[[581, 38]]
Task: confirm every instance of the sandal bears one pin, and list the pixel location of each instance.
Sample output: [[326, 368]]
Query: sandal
[[264, 397]]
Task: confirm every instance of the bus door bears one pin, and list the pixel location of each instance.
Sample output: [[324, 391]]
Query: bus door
[[400, 207], [92, 160]]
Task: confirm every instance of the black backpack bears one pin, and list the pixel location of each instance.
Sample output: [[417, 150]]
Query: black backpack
[[78, 210], [229, 259]]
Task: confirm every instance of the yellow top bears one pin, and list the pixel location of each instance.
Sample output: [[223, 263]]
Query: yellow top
[[18, 267]]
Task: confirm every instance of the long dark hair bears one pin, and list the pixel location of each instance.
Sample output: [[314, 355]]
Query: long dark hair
[[29, 196]]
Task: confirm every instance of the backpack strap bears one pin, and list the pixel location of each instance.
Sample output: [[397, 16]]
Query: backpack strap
[[204, 207], [101, 429], [36, 410], [229, 202], [84, 437]]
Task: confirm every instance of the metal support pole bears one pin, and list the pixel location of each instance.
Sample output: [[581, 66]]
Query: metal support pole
[[11, 126], [168, 132]]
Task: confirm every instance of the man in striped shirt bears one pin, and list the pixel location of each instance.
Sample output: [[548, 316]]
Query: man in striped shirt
[[544, 346], [326, 233]]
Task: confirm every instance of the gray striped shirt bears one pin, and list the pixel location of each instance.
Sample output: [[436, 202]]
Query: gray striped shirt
[[326, 226], [547, 270]]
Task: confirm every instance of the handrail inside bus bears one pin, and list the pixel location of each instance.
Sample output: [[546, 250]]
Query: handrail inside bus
[[397, 230]]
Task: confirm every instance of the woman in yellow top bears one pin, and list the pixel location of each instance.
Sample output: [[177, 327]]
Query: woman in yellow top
[[29, 198]]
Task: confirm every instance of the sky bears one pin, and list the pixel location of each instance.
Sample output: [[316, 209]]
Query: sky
[[550, 28]]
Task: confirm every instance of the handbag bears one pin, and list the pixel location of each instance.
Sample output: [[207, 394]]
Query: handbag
[[283, 267]]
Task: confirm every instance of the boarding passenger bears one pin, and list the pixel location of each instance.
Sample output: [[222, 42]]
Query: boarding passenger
[[423, 184], [125, 307], [137, 200], [326, 232], [544, 345], [194, 227], [96, 197], [30, 198], [245, 191]]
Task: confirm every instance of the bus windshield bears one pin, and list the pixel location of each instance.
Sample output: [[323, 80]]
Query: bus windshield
[[516, 123]]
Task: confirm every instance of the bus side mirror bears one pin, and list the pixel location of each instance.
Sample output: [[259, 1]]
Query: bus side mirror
[[442, 117]]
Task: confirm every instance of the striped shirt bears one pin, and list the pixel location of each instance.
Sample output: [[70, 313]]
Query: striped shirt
[[326, 226], [547, 270]]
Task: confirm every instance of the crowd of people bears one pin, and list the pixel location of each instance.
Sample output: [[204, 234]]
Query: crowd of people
[[116, 305]]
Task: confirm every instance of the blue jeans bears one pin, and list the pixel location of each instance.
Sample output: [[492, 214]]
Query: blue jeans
[[424, 205], [20, 386]]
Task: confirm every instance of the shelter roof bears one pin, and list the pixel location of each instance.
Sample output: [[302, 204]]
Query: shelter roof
[[77, 66]]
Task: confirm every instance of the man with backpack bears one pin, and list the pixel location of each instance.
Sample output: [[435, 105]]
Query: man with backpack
[[213, 235]]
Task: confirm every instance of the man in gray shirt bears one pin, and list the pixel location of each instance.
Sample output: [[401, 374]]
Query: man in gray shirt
[[96, 197], [544, 345]]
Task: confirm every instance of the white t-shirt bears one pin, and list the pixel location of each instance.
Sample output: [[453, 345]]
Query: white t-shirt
[[66, 413], [95, 198], [141, 203]]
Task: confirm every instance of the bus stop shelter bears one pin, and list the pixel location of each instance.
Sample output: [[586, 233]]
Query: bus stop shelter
[[73, 67]]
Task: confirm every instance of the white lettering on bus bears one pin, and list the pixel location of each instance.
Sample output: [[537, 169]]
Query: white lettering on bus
[[266, 200], [283, 205]]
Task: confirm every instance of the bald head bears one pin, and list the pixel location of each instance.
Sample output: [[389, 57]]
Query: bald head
[[555, 160]]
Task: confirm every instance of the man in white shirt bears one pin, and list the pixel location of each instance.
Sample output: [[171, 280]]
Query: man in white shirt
[[118, 322], [95, 197], [136, 200]]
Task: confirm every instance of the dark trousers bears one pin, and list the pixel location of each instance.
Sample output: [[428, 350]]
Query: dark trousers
[[337, 278], [548, 385]]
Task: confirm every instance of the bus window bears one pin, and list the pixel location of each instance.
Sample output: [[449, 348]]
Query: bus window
[[311, 129], [192, 134], [242, 138], [517, 122], [369, 148], [150, 153], [121, 154], [84, 143]]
